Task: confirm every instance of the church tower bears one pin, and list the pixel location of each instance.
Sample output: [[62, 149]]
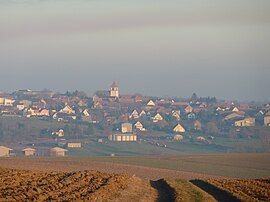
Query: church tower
[[114, 90]]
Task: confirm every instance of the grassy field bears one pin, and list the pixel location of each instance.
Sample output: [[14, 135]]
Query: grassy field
[[137, 149], [186, 191]]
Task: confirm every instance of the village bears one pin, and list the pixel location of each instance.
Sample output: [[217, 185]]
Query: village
[[45, 123]]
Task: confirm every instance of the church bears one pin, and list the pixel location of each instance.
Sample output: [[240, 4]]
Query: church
[[114, 90]]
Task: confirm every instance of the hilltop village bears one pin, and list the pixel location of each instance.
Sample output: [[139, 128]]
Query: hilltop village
[[57, 122]]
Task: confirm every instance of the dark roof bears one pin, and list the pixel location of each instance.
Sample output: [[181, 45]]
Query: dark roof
[[114, 84]]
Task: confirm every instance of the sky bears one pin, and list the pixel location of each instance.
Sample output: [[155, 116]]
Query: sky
[[152, 47]]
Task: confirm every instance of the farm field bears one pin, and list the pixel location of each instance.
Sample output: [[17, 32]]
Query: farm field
[[21, 185], [243, 189], [27, 185], [240, 165], [151, 167]]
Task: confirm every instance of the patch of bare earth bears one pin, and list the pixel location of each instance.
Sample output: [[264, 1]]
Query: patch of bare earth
[[21, 185]]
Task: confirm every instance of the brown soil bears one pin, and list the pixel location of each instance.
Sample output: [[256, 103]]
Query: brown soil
[[20, 185]]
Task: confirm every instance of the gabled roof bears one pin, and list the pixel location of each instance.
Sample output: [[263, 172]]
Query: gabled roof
[[5, 148], [178, 128], [150, 103], [29, 149]]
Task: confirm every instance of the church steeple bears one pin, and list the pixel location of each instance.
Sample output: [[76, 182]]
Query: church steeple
[[114, 90]]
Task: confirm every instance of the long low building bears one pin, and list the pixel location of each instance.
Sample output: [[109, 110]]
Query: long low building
[[123, 137]]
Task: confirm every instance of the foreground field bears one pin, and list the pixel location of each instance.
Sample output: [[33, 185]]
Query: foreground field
[[245, 190], [20, 185], [25, 185]]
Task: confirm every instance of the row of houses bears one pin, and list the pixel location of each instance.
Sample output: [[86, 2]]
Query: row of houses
[[7, 152]]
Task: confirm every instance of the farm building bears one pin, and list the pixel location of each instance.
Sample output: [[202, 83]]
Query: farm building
[[4, 151], [58, 151], [74, 145], [247, 122], [123, 137], [29, 151]]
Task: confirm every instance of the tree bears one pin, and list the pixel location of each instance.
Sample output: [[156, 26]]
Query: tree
[[194, 97], [90, 130], [211, 128]]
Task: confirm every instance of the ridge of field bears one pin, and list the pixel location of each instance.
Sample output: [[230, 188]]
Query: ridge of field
[[184, 166]]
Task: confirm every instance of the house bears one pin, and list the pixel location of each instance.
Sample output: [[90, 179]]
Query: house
[[134, 114], [235, 109], [157, 118], [58, 151], [197, 125], [126, 128], [59, 133], [114, 90], [6, 101], [5, 151], [86, 113], [123, 137], [266, 120], [138, 98], [139, 126], [150, 103], [82, 103], [126, 99], [178, 137], [143, 113], [200, 139], [233, 116], [67, 110], [188, 109], [179, 129], [20, 106], [98, 105], [247, 122], [176, 114], [29, 151], [42, 112], [74, 145], [220, 109]]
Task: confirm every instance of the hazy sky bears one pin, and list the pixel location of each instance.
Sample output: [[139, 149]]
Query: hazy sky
[[154, 47]]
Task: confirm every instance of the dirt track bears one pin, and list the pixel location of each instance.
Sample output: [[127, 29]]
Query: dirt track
[[72, 164]]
